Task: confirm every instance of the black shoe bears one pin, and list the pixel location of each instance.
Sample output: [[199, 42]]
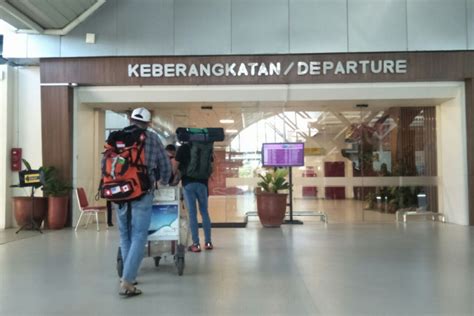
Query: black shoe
[[110, 224]]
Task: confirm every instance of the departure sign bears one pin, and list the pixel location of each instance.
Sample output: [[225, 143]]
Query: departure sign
[[282, 154]]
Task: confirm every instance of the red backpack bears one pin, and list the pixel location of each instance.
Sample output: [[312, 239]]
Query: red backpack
[[124, 173]]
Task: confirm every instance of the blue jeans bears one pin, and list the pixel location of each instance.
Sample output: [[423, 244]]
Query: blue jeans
[[132, 243], [193, 192]]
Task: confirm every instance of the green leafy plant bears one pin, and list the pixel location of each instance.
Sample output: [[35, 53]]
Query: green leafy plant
[[52, 184], [274, 181], [403, 197]]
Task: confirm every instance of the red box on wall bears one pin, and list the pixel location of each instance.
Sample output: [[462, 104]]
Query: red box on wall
[[15, 159]]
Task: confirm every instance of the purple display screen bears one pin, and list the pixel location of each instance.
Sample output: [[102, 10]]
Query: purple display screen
[[283, 154]]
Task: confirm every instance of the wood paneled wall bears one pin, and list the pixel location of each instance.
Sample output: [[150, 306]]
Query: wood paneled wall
[[57, 128], [110, 71]]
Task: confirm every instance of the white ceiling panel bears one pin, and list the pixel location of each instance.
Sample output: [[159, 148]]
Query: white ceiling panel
[[43, 16]]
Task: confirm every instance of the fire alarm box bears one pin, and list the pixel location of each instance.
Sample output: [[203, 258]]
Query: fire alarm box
[[15, 158]]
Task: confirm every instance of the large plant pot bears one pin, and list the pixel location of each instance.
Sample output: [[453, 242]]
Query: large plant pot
[[22, 206], [271, 208], [57, 211]]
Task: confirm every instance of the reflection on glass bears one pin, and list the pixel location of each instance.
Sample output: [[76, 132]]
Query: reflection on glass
[[359, 165]]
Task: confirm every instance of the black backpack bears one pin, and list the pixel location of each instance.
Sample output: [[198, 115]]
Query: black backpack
[[200, 161]]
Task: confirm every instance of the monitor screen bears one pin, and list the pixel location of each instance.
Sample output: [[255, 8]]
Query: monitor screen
[[282, 154]]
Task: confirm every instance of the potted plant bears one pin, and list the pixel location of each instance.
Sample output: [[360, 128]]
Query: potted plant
[[23, 206], [57, 192], [271, 205]]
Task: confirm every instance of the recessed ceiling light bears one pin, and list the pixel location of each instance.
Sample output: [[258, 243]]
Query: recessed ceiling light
[[226, 121], [231, 131]]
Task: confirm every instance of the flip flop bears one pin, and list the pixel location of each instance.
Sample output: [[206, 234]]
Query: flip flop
[[130, 293]]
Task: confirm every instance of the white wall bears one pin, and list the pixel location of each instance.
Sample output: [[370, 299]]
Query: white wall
[[20, 125], [223, 27], [452, 159], [6, 133]]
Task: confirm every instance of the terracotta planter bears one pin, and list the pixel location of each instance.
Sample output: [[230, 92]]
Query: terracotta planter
[[57, 211], [22, 206], [271, 208]]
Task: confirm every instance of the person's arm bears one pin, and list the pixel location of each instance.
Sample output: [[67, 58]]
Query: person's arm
[[182, 156], [163, 162]]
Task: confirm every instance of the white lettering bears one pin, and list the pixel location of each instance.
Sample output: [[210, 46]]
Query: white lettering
[[218, 70], [145, 70], [401, 66], [364, 64], [193, 71], [252, 66], [339, 69], [315, 68], [275, 69], [205, 69], [327, 65], [388, 66], [242, 70], [157, 70], [302, 68], [376, 68], [351, 66], [133, 70], [180, 70], [229, 69], [312, 68], [262, 70], [169, 70]]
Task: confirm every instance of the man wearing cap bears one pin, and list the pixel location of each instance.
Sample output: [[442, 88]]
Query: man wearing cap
[[133, 237]]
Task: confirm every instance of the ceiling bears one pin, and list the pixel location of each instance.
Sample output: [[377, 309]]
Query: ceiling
[[53, 17]]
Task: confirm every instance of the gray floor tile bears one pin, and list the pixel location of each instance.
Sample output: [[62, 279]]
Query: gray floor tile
[[422, 268]]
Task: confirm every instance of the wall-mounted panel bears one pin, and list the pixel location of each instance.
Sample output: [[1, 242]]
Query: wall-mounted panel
[[260, 26], [43, 46], [202, 27], [103, 23], [145, 27], [318, 26], [436, 25], [377, 25]]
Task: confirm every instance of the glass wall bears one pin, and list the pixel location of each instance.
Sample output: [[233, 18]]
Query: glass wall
[[360, 165]]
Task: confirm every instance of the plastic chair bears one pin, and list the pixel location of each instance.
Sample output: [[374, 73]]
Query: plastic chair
[[88, 210]]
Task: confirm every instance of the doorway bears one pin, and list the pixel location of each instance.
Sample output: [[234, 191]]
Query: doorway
[[369, 151]]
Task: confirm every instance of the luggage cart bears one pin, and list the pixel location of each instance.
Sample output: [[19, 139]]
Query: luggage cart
[[168, 232]]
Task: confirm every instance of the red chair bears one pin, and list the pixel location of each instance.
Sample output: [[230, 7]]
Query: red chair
[[88, 210]]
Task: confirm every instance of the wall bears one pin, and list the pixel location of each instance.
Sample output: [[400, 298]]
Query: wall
[[7, 82], [20, 127], [223, 27], [87, 147], [452, 162]]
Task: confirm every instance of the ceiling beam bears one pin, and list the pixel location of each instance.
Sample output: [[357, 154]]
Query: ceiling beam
[[20, 16]]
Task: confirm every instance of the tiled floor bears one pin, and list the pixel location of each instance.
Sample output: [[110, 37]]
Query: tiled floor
[[419, 268]]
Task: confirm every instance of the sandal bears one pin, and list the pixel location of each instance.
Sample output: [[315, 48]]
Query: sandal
[[130, 293]]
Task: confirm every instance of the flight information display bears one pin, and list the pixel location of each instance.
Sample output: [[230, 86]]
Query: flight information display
[[283, 154]]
